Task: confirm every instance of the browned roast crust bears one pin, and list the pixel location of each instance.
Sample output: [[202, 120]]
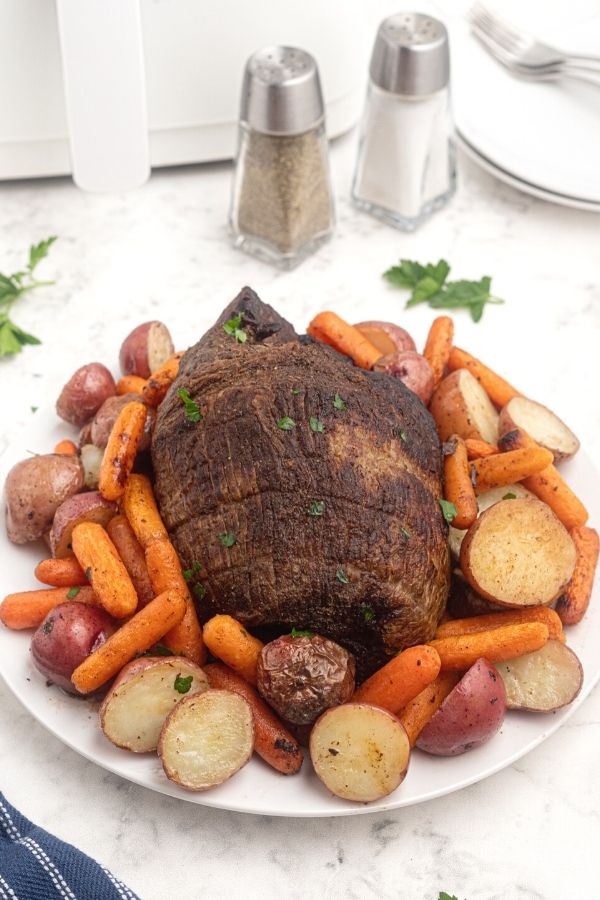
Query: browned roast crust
[[376, 468]]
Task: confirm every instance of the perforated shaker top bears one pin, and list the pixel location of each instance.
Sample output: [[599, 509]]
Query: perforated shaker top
[[281, 92], [411, 55]]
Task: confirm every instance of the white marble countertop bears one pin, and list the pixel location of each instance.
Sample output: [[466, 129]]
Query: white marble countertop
[[530, 831]]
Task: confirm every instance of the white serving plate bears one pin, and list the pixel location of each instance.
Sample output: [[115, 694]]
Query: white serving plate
[[257, 788]]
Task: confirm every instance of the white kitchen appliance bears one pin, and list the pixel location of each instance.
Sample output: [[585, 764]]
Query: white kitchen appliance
[[104, 89]]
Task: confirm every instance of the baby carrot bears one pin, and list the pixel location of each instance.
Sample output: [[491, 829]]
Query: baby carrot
[[272, 741], [498, 390], [137, 635], [28, 609], [418, 711], [99, 559], [66, 447], [141, 510], [130, 550], [572, 606], [460, 651], [508, 617], [458, 487], [477, 449], [161, 380], [506, 468], [228, 640], [130, 384], [60, 572], [164, 569], [438, 346], [345, 338], [121, 450], [401, 679]]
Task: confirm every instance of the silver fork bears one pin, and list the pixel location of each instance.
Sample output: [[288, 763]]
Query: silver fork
[[526, 56]]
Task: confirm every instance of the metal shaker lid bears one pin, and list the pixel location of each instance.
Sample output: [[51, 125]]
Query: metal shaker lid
[[281, 93], [411, 55]]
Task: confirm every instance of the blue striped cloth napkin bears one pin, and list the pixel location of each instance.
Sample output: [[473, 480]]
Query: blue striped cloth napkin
[[34, 865]]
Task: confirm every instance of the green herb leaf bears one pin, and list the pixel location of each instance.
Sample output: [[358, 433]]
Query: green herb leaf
[[234, 327], [295, 391], [448, 510], [158, 650], [191, 408], [34, 409], [316, 424], [38, 251], [72, 593], [188, 574], [342, 577], [183, 683], [199, 591], [338, 403], [227, 538], [405, 532], [510, 496], [444, 896], [368, 613], [316, 508], [286, 424], [297, 632], [12, 287], [402, 434]]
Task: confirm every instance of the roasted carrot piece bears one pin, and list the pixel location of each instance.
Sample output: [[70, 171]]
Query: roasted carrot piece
[[130, 384], [137, 635], [66, 447], [477, 449], [28, 609], [141, 510], [458, 487], [509, 617], [164, 568], [572, 606], [548, 485], [60, 572], [418, 711], [507, 468], [228, 640], [121, 450], [99, 559], [401, 679], [132, 554], [161, 380], [438, 346], [461, 651], [272, 741], [345, 338], [498, 390]]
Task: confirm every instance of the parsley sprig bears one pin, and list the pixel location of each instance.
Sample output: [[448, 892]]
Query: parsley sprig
[[448, 510], [429, 284], [191, 408], [12, 287], [299, 632], [234, 326]]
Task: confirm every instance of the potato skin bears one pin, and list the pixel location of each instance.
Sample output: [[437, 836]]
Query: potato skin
[[84, 393], [106, 417], [399, 337], [34, 489], [450, 409], [145, 349], [412, 369], [300, 677], [87, 507]]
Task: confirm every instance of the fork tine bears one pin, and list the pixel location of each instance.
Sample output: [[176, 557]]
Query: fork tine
[[497, 29]]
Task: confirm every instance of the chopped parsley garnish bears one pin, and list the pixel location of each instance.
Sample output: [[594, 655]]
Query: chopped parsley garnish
[[402, 434], [234, 327], [285, 423], [448, 510], [34, 409], [158, 650], [316, 508], [72, 593], [188, 574], [444, 896], [342, 577], [297, 632], [183, 683], [316, 424], [191, 408], [368, 613], [295, 391], [338, 403], [199, 591], [405, 532], [227, 538], [510, 496]]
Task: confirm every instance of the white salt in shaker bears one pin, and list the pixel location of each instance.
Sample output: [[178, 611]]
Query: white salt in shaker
[[405, 168]]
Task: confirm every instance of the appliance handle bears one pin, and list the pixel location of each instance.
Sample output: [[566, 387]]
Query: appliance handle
[[103, 67]]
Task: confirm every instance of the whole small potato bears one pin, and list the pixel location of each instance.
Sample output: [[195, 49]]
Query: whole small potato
[[412, 369], [145, 349], [106, 417], [300, 677], [386, 336], [68, 634], [84, 393], [34, 489]]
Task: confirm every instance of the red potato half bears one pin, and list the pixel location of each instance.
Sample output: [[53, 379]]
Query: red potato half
[[34, 489], [484, 501], [412, 369], [460, 406], [144, 693], [206, 739], [541, 424], [542, 681], [106, 417], [470, 715], [89, 507], [84, 393], [146, 349], [360, 752], [387, 337], [517, 553]]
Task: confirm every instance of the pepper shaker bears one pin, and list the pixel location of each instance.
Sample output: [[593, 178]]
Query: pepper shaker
[[282, 204], [405, 168]]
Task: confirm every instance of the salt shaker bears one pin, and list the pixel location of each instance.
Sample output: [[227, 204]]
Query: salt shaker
[[282, 204], [405, 168]]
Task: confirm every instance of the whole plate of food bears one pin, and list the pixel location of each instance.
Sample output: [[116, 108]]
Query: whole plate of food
[[298, 575]]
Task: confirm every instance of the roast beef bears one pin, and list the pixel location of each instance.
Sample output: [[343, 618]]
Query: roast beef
[[307, 494]]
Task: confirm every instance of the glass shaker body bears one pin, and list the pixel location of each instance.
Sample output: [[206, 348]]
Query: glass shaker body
[[405, 168]]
